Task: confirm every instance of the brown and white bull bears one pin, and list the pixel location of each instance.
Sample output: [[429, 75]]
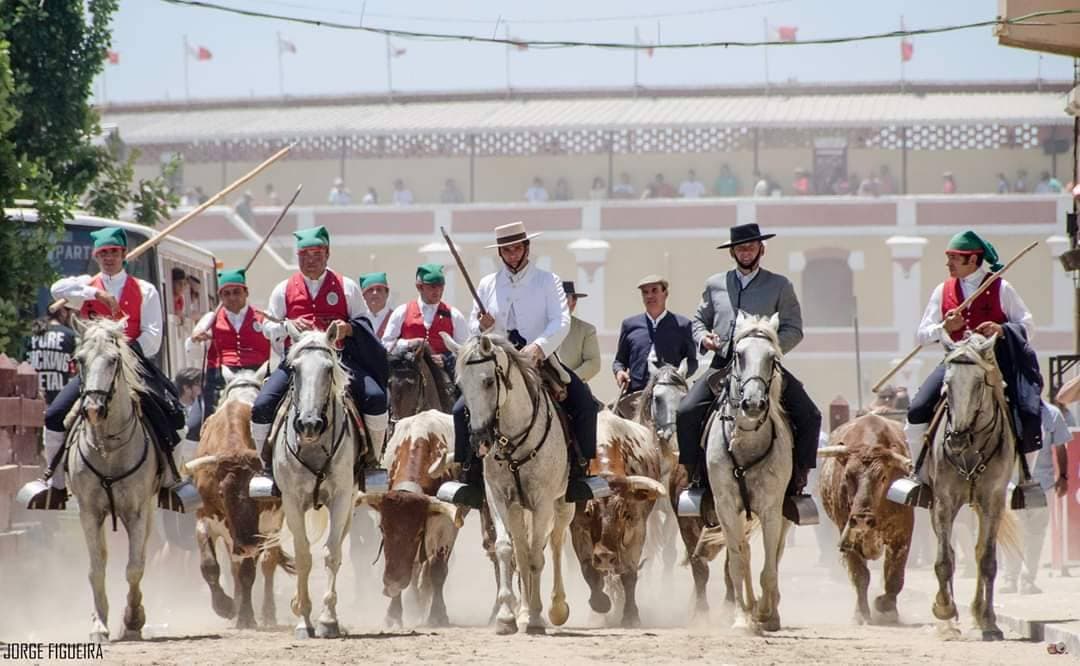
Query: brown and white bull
[[418, 530], [225, 461], [863, 458], [609, 533]]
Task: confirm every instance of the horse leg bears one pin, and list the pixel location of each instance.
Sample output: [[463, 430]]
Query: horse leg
[[986, 553], [690, 531], [487, 530], [268, 565], [859, 574], [542, 519], [211, 570], [138, 529], [560, 610], [301, 603], [944, 608], [243, 580], [93, 525], [506, 618], [738, 561], [896, 555], [772, 533], [340, 520]]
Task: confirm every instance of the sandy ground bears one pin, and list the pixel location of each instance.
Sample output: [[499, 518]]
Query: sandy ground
[[47, 598]]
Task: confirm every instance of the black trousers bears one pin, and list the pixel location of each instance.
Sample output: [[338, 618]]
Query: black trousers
[[369, 397], [803, 414], [580, 406]]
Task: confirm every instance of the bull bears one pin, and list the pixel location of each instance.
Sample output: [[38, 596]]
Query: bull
[[863, 459]]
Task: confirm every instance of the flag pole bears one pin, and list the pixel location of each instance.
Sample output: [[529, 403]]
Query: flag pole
[[506, 32], [765, 51], [389, 73], [637, 40], [903, 60], [280, 70], [187, 89]]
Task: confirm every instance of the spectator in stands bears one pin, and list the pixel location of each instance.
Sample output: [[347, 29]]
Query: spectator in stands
[[189, 384], [801, 185], [868, 187], [659, 189], [948, 183], [200, 196], [886, 183], [598, 190], [1021, 181], [537, 193], [245, 208], [339, 194], [761, 185], [272, 198], [371, 197], [562, 190], [1047, 184], [624, 190], [1002, 184], [726, 185], [450, 193], [402, 196], [691, 188]]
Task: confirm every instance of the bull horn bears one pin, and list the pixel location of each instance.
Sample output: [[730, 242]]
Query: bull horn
[[437, 506], [636, 482], [450, 343], [192, 465], [901, 458], [832, 451], [440, 466], [372, 499]]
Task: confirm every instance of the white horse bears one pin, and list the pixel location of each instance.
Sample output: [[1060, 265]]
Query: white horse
[[112, 465], [514, 424], [749, 457], [313, 465]]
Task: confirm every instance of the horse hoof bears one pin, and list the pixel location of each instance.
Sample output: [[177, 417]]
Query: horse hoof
[[246, 623], [99, 637], [438, 621], [888, 617], [944, 612], [948, 631], [993, 635], [535, 630], [600, 602], [222, 604], [327, 630], [771, 624], [859, 619], [505, 627], [131, 635], [303, 633], [630, 621], [559, 614]]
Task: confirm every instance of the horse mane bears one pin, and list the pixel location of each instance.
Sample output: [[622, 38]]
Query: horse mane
[[340, 376], [401, 357], [100, 332], [471, 348], [644, 402]]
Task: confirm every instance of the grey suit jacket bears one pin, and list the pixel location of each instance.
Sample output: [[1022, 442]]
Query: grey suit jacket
[[767, 294], [580, 351]]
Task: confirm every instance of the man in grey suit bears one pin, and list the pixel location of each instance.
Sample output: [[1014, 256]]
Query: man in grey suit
[[754, 290]]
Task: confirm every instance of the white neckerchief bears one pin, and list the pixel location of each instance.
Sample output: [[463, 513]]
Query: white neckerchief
[[515, 279]]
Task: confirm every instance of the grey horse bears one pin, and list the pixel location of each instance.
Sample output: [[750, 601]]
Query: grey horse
[[749, 457], [112, 465]]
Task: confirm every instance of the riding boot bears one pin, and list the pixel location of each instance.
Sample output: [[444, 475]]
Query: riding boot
[[176, 493], [798, 506], [468, 490], [580, 487], [262, 485], [48, 492], [698, 495], [367, 465]]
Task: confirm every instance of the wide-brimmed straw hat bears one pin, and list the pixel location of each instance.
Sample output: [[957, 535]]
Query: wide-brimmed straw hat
[[508, 234]]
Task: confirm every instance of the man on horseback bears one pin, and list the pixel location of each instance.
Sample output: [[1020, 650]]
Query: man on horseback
[[997, 311], [115, 294], [527, 305], [656, 336], [376, 290], [752, 289], [232, 337], [317, 297], [426, 317]]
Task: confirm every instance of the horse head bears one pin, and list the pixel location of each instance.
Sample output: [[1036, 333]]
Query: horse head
[[107, 365], [318, 379], [660, 398], [407, 380], [756, 357], [971, 377], [243, 385]]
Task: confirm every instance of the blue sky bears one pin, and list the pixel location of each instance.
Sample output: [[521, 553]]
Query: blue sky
[[148, 35]]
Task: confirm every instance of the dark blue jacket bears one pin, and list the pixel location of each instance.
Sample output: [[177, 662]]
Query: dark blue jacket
[[673, 339]]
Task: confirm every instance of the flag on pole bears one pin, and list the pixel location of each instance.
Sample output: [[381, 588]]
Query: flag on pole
[[519, 44], [907, 50], [285, 46], [112, 57], [649, 51], [786, 33], [200, 53], [398, 52]]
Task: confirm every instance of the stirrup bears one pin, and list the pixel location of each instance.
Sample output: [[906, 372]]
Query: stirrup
[[801, 509], [182, 498], [585, 488], [262, 487], [1026, 495], [461, 494], [698, 503], [39, 495], [910, 491]]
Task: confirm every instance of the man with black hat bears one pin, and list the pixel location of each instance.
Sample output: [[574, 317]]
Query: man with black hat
[[316, 297], [655, 336], [580, 350], [426, 317], [115, 294], [749, 288], [527, 305]]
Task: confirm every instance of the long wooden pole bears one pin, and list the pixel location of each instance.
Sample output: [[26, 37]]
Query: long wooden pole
[[464, 273], [273, 228], [994, 277]]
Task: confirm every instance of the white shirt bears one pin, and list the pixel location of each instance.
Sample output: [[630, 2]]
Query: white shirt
[[1055, 433], [207, 322], [403, 197], [930, 329], [77, 290], [536, 194], [655, 322], [746, 278], [339, 197], [692, 189], [354, 301], [393, 327], [378, 318], [532, 301]]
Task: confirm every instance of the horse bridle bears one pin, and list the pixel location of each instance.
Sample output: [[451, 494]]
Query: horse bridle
[[735, 387], [329, 389], [408, 369], [107, 394], [972, 473], [679, 383]]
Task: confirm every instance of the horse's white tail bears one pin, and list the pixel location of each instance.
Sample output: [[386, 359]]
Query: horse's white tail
[[712, 540], [316, 524], [1008, 536]]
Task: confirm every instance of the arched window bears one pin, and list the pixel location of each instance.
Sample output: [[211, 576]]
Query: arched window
[[828, 295]]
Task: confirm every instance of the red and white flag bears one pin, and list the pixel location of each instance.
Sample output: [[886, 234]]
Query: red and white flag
[[112, 57], [519, 44], [200, 52], [785, 33], [285, 46], [397, 53], [907, 50]]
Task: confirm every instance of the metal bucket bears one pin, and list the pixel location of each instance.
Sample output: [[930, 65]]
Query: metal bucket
[[599, 486]]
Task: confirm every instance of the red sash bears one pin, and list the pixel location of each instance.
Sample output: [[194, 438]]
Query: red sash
[[987, 307], [130, 306], [326, 306], [245, 348], [412, 326]]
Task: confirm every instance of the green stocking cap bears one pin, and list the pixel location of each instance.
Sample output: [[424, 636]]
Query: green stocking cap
[[373, 280], [313, 237], [430, 274], [235, 276], [109, 237], [969, 242]]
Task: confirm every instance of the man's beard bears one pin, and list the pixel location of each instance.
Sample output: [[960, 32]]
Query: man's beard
[[749, 266]]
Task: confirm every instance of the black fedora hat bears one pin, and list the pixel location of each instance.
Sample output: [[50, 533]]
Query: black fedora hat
[[568, 288], [745, 233]]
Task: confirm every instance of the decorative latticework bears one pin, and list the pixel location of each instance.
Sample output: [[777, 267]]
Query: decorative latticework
[[956, 137]]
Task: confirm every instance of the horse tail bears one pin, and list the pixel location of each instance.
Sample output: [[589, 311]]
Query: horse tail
[[1008, 536], [713, 540], [286, 563]]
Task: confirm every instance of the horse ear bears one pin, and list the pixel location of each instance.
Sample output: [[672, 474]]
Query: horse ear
[[293, 331], [78, 324], [986, 347], [333, 334], [449, 341], [653, 367], [774, 321], [262, 372], [683, 367], [227, 374], [486, 345]]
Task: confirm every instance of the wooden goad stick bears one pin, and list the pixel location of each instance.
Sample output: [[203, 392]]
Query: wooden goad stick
[[994, 277]]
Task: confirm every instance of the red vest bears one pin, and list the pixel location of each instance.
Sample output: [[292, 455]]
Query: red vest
[[130, 306], [412, 326], [245, 348], [326, 306], [987, 307]]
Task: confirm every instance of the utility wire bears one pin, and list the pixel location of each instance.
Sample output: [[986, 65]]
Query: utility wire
[[1026, 20]]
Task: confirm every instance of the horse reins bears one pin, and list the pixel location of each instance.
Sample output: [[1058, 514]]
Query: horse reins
[[107, 481], [972, 473]]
